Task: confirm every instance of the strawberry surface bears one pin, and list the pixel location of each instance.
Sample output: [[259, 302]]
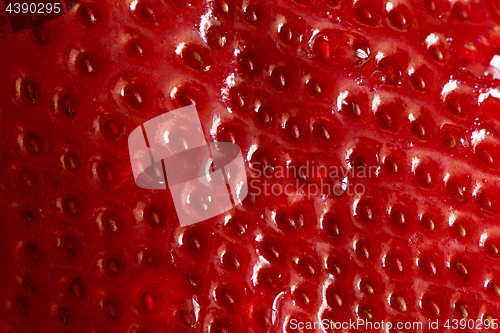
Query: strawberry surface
[[399, 96]]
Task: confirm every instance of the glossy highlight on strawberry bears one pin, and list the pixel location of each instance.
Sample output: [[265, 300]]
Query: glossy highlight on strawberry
[[404, 89]]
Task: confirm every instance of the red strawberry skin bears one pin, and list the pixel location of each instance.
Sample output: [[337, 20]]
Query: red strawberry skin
[[402, 91]]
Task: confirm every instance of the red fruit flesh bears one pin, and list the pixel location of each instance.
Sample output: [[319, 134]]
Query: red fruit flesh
[[399, 95]]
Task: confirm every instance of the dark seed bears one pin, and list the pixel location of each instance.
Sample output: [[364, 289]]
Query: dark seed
[[64, 315], [67, 107], [30, 91], [39, 33], [113, 266], [88, 64], [89, 15]]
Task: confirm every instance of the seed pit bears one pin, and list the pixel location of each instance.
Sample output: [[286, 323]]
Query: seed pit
[[148, 12], [72, 206], [400, 303], [88, 65], [64, 315], [386, 119], [227, 298], [286, 34], [238, 99], [364, 14], [303, 298], [192, 281], [71, 161], [76, 289], [221, 328], [461, 269], [399, 217], [429, 223], [232, 261], [113, 266], [351, 107], [419, 129], [25, 178], [454, 106], [430, 267], [34, 144], [112, 223], [187, 318], [294, 130], [418, 82], [424, 176], [336, 299], [485, 156], [112, 129], [29, 286], [334, 268], [367, 288], [398, 19], [324, 133], [333, 227], [197, 59], [31, 92], [492, 249], [273, 251], [40, 35], [485, 202], [280, 80], [148, 301], [367, 211], [459, 11], [88, 15], [252, 16], [391, 164], [367, 313], [433, 307], [135, 97], [67, 106], [224, 6], [315, 87], [137, 48], [436, 53], [27, 215], [112, 309], [307, 268], [430, 5], [397, 264], [217, 38], [22, 304], [34, 253], [495, 288], [155, 218], [290, 222], [362, 251], [462, 310], [70, 248]]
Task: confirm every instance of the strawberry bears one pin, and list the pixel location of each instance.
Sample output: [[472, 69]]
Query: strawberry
[[370, 132]]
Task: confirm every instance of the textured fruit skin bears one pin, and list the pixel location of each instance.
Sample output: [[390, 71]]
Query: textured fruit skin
[[400, 89]]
